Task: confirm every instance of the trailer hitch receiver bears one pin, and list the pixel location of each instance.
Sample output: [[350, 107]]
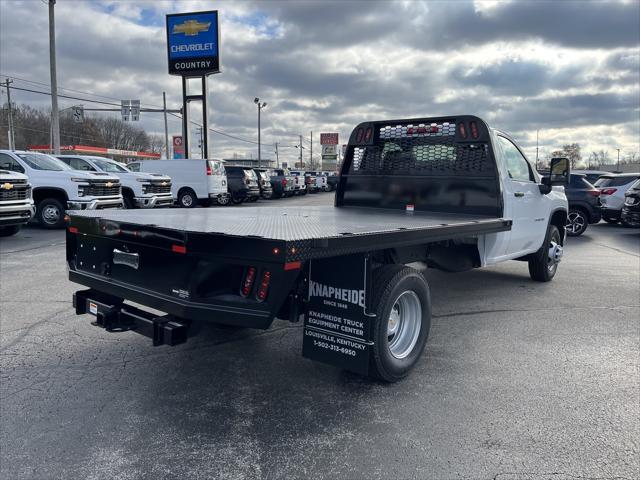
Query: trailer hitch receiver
[[115, 316]]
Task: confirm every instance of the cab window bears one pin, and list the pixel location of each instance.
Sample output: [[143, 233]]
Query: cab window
[[517, 165], [9, 163], [134, 167], [78, 164]]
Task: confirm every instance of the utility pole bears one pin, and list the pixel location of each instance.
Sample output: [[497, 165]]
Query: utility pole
[[537, 132], [277, 159], [300, 151], [55, 119], [260, 107], [12, 138], [618, 158], [166, 128], [311, 150]]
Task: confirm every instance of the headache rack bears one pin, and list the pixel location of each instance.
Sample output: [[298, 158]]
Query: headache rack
[[434, 164]]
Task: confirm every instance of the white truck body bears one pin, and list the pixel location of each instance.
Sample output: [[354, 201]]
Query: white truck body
[[57, 187], [142, 190], [192, 180], [16, 202]]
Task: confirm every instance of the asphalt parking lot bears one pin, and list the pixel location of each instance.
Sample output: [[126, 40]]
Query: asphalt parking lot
[[519, 380]]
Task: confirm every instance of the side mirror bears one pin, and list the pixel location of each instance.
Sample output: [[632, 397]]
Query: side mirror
[[558, 175]]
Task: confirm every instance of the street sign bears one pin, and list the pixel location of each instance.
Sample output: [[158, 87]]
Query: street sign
[[130, 110], [329, 150], [193, 43], [78, 114], [178, 147], [328, 139]]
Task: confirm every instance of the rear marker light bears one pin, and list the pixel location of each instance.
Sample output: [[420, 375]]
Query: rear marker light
[[292, 266], [474, 129], [359, 135], [209, 171], [73, 229], [249, 278], [368, 134], [264, 287], [608, 191], [179, 249], [463, 130]]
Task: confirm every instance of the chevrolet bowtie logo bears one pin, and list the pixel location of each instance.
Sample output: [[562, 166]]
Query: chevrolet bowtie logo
[[191, 28], [164, 184], [109, 184], [7, 186]]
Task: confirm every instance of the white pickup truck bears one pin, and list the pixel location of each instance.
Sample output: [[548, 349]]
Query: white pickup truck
[[57, 187], [16, 204], [142, 190], [448, 193]]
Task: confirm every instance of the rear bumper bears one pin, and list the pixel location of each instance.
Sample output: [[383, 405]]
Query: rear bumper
[[155, 201], [631, 217], [95, 204], [16, 214], [611, 213]]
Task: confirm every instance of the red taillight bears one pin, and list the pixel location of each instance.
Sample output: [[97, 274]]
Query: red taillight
[[474, 129], [292, 265], [179, 249], [209, 171], [284, 182], [247, 284], [73, 229], [463, 130], [261, 295], [608, 191], [359, 135], [595, 193], [368, 134]]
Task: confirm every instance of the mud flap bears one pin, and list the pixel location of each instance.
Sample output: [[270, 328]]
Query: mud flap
[[337, 325]]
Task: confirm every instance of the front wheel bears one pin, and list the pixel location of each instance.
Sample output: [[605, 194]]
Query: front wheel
[[187, 198], [50, 213], [10, 230], [577, 223], [402, 305], [543, 265]]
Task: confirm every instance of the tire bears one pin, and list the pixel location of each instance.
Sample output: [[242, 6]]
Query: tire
[[187, 198], [398, 288], [543, 265], [236, 200], [223, 200], [252, 199], [50, 213], [10, 230], [129, 203], [577, 222]]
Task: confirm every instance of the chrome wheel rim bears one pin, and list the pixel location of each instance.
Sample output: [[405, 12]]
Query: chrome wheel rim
[[575, 222], [555, 252], [187, 201], [403, 324], [51, 214]]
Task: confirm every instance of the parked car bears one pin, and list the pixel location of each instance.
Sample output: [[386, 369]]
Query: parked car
[[300, 185], [141, 190], [57, 187], [321, 181], [612, 189], [332, 181], [282, 182], [631, 210], [592, 175], [584, 204], [243, 184], [16, 203], [310, 182], [264, 182], [193, 181]]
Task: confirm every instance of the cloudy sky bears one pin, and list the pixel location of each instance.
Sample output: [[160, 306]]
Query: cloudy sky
[[568, 68]]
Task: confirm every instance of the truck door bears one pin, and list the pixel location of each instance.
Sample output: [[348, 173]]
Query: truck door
[[216, 177], [524, 203]]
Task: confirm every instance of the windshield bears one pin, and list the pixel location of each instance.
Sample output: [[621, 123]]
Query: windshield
[[107, 166], [40, 161], [613, 181]]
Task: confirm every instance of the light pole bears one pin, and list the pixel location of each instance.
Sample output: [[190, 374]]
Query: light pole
[[618, 159], [260, 107], [55, 119], [537, 132]]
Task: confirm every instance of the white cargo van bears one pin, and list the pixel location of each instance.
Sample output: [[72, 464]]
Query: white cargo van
[[193, 181]]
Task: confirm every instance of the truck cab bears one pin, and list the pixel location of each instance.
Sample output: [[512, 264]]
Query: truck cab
[[139, 190], [16, 202], [57, 187]]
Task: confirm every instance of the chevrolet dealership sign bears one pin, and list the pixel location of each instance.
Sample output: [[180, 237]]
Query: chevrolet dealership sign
[[193, 43]]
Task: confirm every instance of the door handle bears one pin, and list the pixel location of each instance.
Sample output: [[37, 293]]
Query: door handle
[[519, 194]]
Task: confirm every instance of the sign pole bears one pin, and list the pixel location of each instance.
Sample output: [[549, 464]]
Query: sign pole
[[185, 119], [166, 128]]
